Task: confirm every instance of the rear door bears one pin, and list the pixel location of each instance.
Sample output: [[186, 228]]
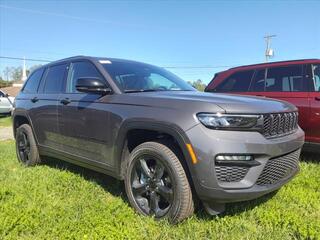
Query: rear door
[[314, 135], [43, 113], [288, 83], [85, 120]]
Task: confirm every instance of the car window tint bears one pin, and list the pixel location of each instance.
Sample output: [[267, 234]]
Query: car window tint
[[316, 77], [54, 78], [258, 81], [33, 81], [1, 94], [80, 70], [285, 79], [237, 82]]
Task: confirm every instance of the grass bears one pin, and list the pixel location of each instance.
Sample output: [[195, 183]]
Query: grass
[[5, 121], [57, 200]]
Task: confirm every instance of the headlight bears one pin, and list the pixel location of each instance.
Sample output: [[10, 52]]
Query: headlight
[[231, 121]]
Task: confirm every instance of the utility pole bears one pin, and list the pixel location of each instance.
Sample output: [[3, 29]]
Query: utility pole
[[269, 51]]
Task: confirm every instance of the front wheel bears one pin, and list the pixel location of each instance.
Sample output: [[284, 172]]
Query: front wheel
[[156, 183]]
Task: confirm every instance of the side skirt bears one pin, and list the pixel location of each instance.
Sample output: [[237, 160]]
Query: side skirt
[[80, 161]]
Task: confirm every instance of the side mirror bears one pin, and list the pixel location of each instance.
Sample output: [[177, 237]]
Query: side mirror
[[6, 95], [92, 85]]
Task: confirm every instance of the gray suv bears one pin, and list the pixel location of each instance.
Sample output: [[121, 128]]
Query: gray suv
[[169, 143]]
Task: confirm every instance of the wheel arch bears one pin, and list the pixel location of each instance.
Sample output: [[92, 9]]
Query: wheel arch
[[121, 153], [21, 118]]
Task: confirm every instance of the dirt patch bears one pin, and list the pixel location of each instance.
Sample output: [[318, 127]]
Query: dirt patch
[[6, 133]]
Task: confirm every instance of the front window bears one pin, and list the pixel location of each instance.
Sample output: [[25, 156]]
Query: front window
[[139, 77], [316, 77], [237, 82], [79, 70]]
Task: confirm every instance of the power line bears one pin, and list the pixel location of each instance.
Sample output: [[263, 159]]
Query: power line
[[29, 59]]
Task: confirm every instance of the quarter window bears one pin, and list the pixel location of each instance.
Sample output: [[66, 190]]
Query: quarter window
[[80, 70], [33, 81], [237, 82], [54, 78], [316, 77]]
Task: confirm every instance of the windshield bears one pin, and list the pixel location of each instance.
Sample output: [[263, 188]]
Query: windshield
[[139, 77]]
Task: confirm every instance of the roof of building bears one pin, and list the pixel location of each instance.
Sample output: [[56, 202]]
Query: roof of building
[[12, 91]]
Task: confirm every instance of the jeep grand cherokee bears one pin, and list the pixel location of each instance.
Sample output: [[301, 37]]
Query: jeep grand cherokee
[[144, 125]]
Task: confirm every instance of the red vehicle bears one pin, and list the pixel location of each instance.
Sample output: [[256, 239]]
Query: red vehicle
[[297, 82]]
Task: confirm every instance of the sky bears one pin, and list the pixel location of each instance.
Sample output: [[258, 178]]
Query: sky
[[193, 39]]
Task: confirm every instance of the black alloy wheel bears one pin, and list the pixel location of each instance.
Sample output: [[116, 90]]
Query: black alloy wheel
[[152, 186]]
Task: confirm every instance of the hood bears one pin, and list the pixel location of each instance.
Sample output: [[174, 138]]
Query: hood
[[228, 103]]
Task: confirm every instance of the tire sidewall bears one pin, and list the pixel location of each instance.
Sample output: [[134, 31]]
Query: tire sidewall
[[34, 154], [143, 149]]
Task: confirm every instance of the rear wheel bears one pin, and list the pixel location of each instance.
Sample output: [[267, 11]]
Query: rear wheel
[[26, 147], [156, 183]]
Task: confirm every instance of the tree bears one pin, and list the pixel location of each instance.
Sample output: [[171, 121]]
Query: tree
[[7, 73], [16, 74], [32, 68], [4, 83], [199, 85]]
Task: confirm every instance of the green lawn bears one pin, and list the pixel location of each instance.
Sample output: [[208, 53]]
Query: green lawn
[[5, 121], [61, 201]]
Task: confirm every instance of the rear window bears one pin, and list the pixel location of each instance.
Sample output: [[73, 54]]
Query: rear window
[[285, 79], [54, 78], [237, 82], [316, 77], [280, 79], [33, 81]]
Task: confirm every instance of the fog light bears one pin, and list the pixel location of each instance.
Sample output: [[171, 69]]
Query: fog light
[[234, 157]]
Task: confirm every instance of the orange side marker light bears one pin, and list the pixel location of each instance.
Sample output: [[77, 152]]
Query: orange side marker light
[[192, 154]]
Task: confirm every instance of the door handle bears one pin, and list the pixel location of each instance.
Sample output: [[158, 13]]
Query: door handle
[[34, 100], [65, 101], [317, 98]]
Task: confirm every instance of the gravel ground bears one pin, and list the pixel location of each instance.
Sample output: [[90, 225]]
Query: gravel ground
[[6, 133]]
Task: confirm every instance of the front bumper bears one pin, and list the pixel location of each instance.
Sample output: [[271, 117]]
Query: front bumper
[[242, 182]]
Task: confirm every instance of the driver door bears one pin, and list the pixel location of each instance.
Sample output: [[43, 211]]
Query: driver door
[[84, 119]]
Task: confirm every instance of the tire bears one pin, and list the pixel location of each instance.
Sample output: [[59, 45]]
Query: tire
[[26, 147], [156, 183]]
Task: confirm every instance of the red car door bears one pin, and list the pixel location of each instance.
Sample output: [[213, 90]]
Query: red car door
[[315, 105]]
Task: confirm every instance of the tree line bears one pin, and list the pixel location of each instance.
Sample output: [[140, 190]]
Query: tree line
[[13, 74]]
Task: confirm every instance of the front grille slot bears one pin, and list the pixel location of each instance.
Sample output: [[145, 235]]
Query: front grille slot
[[230, 173], [279, 168], [279, 124]]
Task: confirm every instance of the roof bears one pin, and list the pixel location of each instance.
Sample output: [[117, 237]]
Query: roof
[[12, 91], [279, 63], [81, 57]]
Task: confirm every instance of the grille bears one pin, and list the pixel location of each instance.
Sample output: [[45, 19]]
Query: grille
[[279, 124], [279, 168], [230, 174]]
